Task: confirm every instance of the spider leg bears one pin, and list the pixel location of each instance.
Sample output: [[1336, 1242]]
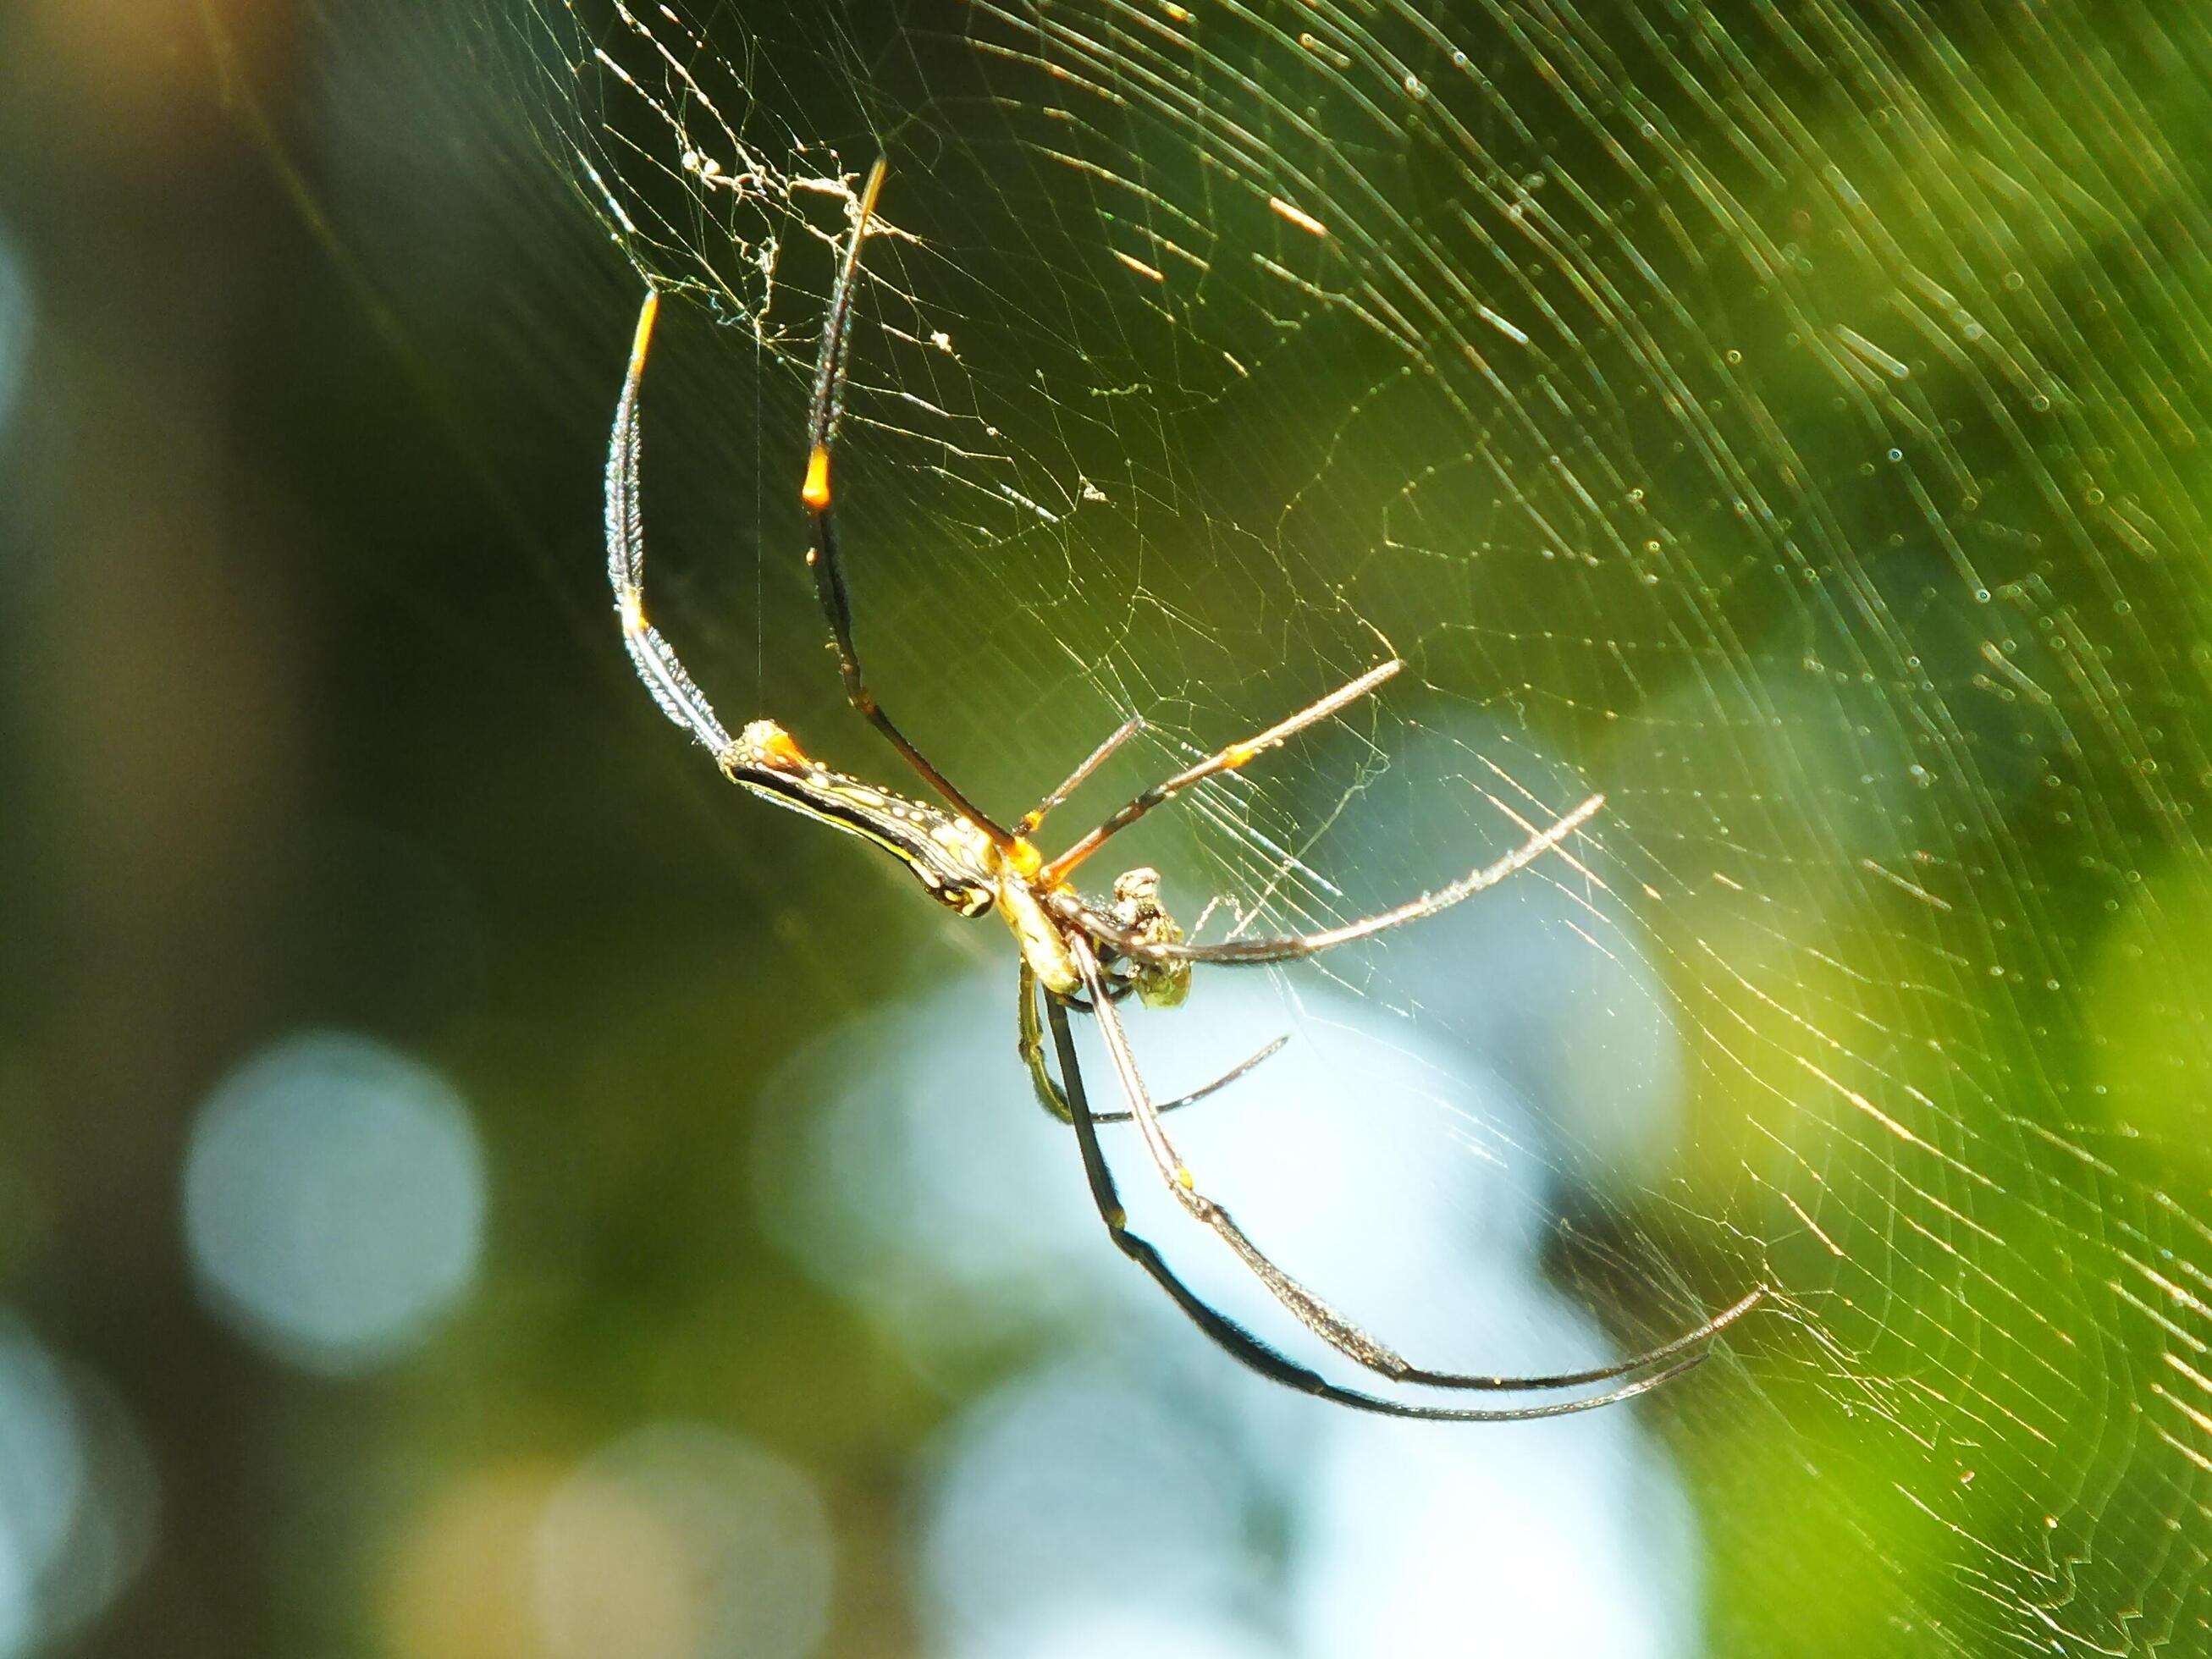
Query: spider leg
[[654, 658], [1223, 760], [823, 559], [1031, 1046], [1323, 1321], [1291, 947], [1242, 1345], [1036, 816]]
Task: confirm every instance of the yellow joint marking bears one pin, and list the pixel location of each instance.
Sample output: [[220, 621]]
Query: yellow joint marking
[[1297, 216], [1117, 1218], [778, 746], [644, 335], [871, 190], [1237, 753], [1184, 1179], [630, 603], [815, 492], [1023, 857]]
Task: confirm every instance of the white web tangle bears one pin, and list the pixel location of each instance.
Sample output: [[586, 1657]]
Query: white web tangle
[[1780, 419]]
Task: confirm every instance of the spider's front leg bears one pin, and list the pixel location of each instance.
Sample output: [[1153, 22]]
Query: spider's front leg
[[654, 658], [823, 560]]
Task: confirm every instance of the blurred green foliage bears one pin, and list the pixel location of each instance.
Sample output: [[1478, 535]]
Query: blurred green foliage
[[1895, 684]]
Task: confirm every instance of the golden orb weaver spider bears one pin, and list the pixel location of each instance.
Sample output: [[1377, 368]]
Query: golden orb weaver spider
[[972, 864]]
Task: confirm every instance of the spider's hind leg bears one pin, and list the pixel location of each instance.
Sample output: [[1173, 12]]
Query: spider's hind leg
[[1317, 1315], [1234, 1340], [1031, 1046]]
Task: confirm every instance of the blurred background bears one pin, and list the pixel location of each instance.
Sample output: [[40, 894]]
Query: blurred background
[[473, 1184]]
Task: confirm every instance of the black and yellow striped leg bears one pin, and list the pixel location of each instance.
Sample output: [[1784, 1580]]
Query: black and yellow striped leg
[[823, 560]]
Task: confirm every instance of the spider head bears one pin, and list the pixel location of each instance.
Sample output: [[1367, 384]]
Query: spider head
[[1137, 906]]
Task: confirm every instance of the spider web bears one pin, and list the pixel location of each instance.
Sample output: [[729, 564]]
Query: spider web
[[1780, 419]]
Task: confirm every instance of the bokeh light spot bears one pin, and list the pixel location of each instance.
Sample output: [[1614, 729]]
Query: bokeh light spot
[[1063, 1491], [14, 325], [77, 1494], [681, 1542], [118, 1512], [334, 1200], [459, 1585], [41, 1456], [41, 1477], [1117, 1629]]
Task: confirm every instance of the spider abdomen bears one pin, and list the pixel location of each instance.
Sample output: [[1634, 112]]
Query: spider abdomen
[[952, 859]]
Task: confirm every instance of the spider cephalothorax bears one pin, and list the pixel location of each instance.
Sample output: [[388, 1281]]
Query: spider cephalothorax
[[1138, 909], [1074, 955]]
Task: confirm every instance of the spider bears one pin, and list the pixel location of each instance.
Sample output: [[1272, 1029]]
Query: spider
[[1075, 953]]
